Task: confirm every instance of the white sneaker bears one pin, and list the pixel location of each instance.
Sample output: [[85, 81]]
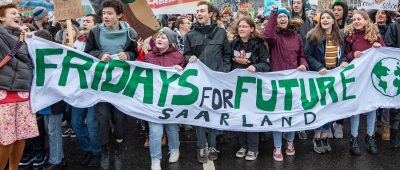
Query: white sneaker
[[155, 164], [241, 153], [173, 156], [251, 156]]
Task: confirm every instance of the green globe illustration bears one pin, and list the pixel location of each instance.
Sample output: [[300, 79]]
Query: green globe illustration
[[386, 76]]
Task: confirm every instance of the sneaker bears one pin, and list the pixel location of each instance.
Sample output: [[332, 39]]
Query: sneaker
[[251, 156], [201, 155], [278, 154], [69, 133], [50, 166], [155, 164], [173, 156], [325, 143], [26, 160], [370, 141], [40, 159], [302, 135], [94, 161], [338, 128], [241, 153], [355, 146], [290, 149], [329, 134], [212, 153], [318, 146]]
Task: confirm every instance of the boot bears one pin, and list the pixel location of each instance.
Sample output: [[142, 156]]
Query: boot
[[386, 132], [370, 141], [164, 139], [394, 138], [147, 143], [355, 146]]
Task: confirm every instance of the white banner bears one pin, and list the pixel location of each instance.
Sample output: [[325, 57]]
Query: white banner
[[389, 5], [240, 100]]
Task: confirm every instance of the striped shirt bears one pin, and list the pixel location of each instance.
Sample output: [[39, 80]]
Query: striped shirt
[[331, 53]]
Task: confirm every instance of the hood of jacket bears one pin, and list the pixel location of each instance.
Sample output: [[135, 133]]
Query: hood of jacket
[[306, 7]]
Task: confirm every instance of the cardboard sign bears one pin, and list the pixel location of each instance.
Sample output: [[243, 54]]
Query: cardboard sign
[[67, 9], [141, 18], [388, 5]]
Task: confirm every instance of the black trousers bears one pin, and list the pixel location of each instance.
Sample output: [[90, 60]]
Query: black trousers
[[106, 114]]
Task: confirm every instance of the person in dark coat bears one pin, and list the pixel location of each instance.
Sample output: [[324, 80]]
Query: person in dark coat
[[324, 50], [249, 52]]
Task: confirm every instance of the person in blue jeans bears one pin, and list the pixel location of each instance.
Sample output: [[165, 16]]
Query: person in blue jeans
[[52, 121], [164, 54], [86, 134]]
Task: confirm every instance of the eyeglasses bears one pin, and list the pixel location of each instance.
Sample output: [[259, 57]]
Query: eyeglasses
[[283, 17], [243, 26]]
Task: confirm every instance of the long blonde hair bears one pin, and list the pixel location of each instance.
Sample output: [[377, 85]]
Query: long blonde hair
[[371, 31]]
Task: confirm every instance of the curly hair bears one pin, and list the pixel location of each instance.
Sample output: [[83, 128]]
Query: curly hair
[[371, 31]]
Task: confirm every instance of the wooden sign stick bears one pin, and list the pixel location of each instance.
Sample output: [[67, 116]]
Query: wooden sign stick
[[70, 37]]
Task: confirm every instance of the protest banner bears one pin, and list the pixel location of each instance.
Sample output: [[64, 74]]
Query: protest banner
[[388, 5], [67, 9], [173, 6], [288, 100]]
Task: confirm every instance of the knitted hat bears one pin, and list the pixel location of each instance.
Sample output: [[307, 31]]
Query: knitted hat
[[283, 10], [171, 35], [39, 13]]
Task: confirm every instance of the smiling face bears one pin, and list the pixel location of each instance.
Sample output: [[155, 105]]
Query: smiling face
[[327, 22], [298, 6], [358, 21], [338, 11], [202, 14], [110, 17], [283, 21], [11, 18], [245, 30], [185, 25], [381, 16]]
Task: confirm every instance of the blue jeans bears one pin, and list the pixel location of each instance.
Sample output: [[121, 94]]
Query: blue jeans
[[203, 138], [54, 130], [324, 128], [355, 121], [278, 138], [155, 137], [86, 134]]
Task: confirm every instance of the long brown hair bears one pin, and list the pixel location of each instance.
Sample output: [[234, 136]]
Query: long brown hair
[[318, 33], [250, 21], [371, 31]]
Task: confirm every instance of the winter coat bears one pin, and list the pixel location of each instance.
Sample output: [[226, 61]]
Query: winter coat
[[259, 56], [315, 54], [286, 48], [308, 23], [210, 45], [392, 37], [167, 59], [356, 42], [16, 75], [93, 46]]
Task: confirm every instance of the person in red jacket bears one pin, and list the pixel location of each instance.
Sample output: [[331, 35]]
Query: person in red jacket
[[361, 35], [286, 52], [164, 54]]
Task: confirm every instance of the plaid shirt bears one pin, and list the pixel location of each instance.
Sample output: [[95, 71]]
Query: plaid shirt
[[179, 40]]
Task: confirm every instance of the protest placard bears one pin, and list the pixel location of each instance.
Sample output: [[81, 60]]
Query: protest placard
[[67, 9], [388, 5]]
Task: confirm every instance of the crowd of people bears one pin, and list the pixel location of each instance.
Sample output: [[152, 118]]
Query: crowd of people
[[287, 39]]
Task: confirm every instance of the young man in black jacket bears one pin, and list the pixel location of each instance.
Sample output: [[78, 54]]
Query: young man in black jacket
[[208, 43]]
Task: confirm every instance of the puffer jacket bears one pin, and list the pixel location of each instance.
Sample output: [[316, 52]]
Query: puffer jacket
[[16, 75]]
